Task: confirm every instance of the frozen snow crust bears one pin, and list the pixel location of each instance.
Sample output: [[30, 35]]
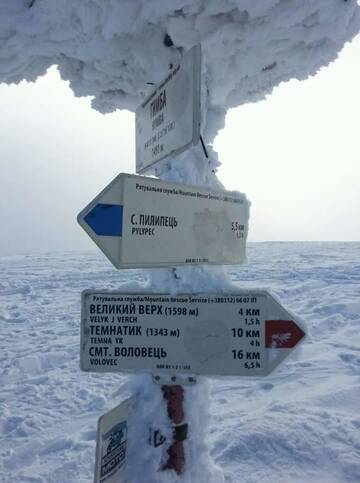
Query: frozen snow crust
[[111, 49]]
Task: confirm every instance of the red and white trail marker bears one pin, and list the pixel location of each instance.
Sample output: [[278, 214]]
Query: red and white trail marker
[[282, 334]]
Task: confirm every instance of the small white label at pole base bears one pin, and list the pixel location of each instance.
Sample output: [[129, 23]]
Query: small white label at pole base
[[141, 222], [168, 121], [246, 333], [111, 444]]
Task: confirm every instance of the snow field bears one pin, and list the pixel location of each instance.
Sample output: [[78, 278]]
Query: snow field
[[299, 424]]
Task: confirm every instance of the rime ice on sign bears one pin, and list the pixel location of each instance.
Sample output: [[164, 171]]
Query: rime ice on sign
[[168, 121]]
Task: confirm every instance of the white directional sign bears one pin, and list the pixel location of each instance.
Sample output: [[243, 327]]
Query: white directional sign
[[144, 222], [168, 121], [247, 333], [111, 442]]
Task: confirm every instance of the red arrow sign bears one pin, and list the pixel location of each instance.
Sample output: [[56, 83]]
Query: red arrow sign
[[282, 334]]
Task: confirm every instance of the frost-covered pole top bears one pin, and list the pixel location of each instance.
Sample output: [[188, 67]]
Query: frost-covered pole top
[[112, 49]]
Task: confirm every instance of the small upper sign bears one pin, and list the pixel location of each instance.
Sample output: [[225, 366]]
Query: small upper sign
[[168, 121]]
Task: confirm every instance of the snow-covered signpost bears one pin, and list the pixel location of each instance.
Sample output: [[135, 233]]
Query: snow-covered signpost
[[145, 222]]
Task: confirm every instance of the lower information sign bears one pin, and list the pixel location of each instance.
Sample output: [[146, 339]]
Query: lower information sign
[[111, 444], [219, 334]]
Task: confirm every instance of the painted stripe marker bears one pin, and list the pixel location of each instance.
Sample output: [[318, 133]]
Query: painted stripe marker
[[105, 219]]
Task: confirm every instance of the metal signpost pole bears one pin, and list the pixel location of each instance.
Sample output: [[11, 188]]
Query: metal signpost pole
[[177, 134], [174, 396]]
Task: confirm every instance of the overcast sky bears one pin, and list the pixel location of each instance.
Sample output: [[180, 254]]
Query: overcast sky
[[296, 155]]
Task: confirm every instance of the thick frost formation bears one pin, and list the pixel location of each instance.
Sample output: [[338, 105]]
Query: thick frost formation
[[111, 49]]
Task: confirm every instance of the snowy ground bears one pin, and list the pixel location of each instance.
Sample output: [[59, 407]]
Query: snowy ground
[[300, 424]]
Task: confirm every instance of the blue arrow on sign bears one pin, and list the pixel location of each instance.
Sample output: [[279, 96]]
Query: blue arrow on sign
[[105, 219]]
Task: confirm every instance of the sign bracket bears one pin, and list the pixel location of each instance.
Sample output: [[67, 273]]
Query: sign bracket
[[204, 147], [174, 380]]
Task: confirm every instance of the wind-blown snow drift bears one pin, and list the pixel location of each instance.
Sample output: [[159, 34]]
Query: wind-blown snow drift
[[110, 49]]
